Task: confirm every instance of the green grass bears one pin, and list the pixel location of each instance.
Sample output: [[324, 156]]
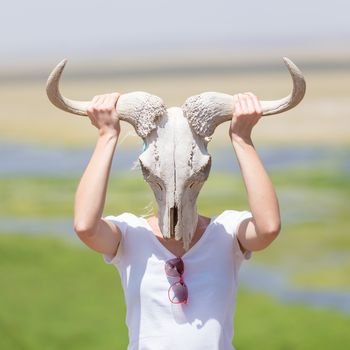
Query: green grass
[[54, 196], [55, 294], [262, 323], [325, 276], [37, 196]]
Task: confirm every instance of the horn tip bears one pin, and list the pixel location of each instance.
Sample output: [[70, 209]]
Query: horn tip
[[60, 66], [63, 63], [292, 67], [287, 61]]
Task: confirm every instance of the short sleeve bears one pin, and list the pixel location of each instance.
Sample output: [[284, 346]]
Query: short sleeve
[[121, 221], [237, 249]]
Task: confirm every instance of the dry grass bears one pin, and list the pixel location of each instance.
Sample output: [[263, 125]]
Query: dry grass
[[323, 117]]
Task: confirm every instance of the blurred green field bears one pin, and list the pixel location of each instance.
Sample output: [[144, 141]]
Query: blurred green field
[[313, 245], [55, 294]]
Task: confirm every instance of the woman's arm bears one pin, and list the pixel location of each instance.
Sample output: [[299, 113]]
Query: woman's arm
[[259, 231], [97, 233]]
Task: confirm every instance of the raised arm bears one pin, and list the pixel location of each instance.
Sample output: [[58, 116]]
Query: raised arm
[[259, 231], [99, 234]]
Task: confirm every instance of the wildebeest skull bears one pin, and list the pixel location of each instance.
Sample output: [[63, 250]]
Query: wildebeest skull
[[175, 162]]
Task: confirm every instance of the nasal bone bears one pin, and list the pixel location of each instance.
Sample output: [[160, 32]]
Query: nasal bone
[[173, 220]]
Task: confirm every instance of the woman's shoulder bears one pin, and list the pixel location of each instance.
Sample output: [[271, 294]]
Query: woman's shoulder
[[229, 220], [232, 215], [127, 218]]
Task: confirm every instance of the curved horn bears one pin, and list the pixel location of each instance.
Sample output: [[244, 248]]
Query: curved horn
[[209, 109], [140, 109]]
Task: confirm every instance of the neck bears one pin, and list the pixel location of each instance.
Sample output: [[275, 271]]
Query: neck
[[202, 223]]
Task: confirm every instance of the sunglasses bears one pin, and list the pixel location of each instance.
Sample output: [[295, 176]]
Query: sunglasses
[[178, 292]]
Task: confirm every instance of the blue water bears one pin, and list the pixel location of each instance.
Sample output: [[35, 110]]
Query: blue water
[[28, 159], [24, 159], [275, 282]]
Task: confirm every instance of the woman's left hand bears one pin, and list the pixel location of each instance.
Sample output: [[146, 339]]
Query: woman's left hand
[[247, 112]]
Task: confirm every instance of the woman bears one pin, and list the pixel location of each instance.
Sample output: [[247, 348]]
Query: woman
[[176, 298]]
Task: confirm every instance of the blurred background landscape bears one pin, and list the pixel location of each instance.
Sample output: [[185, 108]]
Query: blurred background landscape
[[56, 293]]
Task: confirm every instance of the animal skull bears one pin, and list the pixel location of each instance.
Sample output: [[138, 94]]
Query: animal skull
[[176, 162]]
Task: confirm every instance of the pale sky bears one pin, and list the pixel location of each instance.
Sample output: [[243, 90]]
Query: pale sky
[[43, 29]]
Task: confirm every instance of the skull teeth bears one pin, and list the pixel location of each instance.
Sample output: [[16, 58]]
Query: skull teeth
[[173, 221]]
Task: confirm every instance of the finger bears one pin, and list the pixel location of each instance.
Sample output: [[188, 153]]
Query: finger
[[92, 106], [256, 102], [237, 106], [113, 99], [250, 103], [96, 100], [108, 102], [243, 103], [92, 118], [103, 101], [106, 105], [115, 95]]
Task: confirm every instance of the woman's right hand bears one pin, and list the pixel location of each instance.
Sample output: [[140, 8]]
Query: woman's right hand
[[103, 115]]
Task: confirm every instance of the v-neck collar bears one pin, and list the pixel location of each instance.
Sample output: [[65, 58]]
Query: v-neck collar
[[166, 250]]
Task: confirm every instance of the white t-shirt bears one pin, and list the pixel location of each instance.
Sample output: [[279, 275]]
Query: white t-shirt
[[211, 271]]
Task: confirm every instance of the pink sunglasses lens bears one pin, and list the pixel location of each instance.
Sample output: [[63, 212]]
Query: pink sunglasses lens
[[174, 267], [178, 293]]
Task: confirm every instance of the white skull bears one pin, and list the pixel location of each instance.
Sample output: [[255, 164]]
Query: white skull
[[175, 164]]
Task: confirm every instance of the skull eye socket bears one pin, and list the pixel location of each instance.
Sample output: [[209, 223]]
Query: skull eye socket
[[200, 176], [149, 177]]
